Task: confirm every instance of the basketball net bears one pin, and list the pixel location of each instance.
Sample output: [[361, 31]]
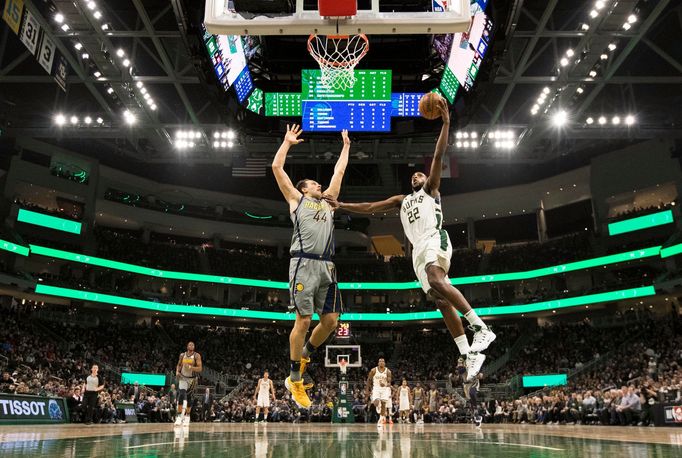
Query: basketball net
[[338, 55], [343, 366]]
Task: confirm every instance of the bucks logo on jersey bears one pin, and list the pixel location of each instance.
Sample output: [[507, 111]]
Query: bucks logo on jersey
[[421, 215]]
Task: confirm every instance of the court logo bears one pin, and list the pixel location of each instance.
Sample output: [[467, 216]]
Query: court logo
[[299, 287]]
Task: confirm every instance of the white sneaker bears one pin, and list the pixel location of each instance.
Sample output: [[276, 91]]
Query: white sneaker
[[185, 421], [178, 420], [482, 338], [474, 362]]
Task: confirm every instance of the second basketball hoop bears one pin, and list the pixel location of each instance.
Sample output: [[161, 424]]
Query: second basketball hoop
[[338, 55]]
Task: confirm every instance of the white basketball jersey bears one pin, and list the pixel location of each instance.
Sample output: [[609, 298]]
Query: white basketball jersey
[[421, 216], [380, 377], [404, 392], [264, 387]]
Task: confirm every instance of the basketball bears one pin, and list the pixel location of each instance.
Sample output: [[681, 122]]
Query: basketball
[[428, 105]]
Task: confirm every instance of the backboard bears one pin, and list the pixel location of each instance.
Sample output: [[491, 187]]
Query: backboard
[[333, 354], [220, 20]]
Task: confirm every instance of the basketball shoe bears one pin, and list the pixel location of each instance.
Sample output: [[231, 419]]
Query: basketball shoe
[[473, 364], [483, 337], [298, 393]]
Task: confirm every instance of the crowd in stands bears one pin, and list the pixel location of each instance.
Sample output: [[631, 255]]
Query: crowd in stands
[[623, 389], [67, 210], [127, 246], [620, 371], [535, 255], [636, 211]]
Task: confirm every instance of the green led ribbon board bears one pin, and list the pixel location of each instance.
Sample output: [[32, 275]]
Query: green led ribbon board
[[449, 85], [542, 272], [535, 381], [13, 248], [369, 85], [51, 222], [672, 250], [641, 222], [387, 317], [129, 378], [283, 104]]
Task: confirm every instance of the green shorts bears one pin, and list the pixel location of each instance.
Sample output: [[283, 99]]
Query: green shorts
[[313, 287]]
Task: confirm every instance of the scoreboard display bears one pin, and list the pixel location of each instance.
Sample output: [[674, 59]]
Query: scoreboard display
[[363, 107], [343, 330], [369, 85], [283, 104], [405, 104]]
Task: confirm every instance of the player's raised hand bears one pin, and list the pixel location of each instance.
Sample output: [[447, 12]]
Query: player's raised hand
[[331, 200], [346, 139], [293, 132], [444, 110]]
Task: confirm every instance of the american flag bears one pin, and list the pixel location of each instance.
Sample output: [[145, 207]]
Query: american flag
[[250, 167]]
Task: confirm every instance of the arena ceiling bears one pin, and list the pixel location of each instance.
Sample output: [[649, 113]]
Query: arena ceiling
[[637, 72]]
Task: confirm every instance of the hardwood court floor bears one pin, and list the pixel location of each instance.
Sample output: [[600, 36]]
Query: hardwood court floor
[[243, 440]]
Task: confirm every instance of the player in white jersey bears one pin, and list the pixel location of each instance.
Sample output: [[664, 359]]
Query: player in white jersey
[[422, 219], [264, 390], [379, 382], [405, 401]]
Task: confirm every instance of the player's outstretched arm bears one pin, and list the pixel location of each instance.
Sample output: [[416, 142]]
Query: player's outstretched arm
[[290, 193], [340, 169], [255, 393], [367, 207], [272, 390], [433, 182]]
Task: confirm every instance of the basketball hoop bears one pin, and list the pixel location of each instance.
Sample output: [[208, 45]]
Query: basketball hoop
[[343, 366], [338, 55]]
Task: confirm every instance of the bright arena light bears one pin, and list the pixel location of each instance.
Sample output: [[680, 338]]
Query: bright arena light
[[458, 135], [100, 121], [612, 46], [59, 18], [65, 27], [97, 14], [230, 144], [92, 5], [88, 120], [599, 5], [458, 144], [563, 62], [126, 62], [74, 119], [604, 56], [120, 52], [615, 120], [130, 118], [629, 120], [626, 26], [230, 134], [570, 52], [580, 90], [60, 119], [216, 135], [560, 118], [593, 73], [585, 27], [545, 90], [602, 120], [632, 19], [589, 120], [594, 14]]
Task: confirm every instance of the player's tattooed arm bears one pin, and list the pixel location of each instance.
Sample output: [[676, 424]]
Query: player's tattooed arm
[[340, 169], [433, 182], [290, 193]]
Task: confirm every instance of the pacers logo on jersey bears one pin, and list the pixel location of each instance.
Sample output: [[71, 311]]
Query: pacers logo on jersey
[[299, 287]]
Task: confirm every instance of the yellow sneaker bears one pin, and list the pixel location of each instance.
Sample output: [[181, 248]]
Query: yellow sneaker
[[298, 393], [304, 363]]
